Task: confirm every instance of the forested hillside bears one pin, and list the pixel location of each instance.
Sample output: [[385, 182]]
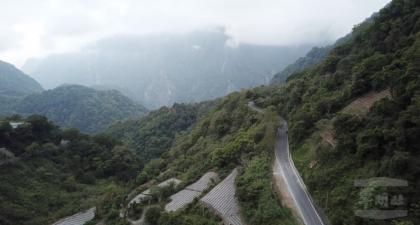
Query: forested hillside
[[215, 136], [313, 57], [14, 84], [71, 106], [334, 147], [81, 107], [154, 133], [48, 173], [228, 134], [353, 115]]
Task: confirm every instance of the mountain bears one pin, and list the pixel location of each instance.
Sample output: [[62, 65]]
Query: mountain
[[74, 106], [81, 107], [313, 57], [160, 69], [14, 84], [353, 119], [48, 173]]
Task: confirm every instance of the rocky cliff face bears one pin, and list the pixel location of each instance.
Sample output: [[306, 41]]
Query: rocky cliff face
[[162, 69]]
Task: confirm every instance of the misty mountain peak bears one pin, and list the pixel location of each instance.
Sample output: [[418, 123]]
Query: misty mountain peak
[[183, 67]]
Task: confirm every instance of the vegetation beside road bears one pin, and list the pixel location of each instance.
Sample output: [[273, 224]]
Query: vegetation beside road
[[382, 53]]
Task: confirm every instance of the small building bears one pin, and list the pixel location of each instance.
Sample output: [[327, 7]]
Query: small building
[[16, 124]]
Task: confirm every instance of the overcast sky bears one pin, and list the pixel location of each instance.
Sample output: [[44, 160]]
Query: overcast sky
[[36, 28]]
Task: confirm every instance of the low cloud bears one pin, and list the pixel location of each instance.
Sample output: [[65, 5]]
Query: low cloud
[[9, 39], [52, 26]]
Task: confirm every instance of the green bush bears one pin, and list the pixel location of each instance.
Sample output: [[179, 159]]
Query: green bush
[[152, 215]]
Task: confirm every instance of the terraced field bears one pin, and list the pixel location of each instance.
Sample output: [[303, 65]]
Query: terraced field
[[78, 219], [188, 194], [181, 199], [222, 200]]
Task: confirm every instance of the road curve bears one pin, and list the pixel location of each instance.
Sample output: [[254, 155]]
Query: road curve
[[287, 169]]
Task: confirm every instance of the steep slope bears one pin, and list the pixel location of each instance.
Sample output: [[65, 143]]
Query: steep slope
[[314, 56], [8, 104], [14, 84], [57, 173], [154, 133], [80, 107], [382, 54], [226, 136], [153, 69]]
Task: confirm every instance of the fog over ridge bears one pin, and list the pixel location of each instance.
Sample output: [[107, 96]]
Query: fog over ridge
[[46, 27]]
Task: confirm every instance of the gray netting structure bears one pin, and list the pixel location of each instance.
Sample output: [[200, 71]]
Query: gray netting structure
[[221, 199], [78, 219], [188, 194]]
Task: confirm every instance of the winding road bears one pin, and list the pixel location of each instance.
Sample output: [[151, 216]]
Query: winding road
[[294, 183]]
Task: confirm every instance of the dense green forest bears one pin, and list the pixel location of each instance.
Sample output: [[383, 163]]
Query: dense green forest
[[382, 54], [80, 107], [48, 173], [154, 133]]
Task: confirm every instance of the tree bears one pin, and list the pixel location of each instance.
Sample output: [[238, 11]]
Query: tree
[[5, 131], [40, 125], [152, 215], [221, 123]]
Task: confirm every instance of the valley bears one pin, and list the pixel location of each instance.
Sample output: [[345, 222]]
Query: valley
[[233, 133]]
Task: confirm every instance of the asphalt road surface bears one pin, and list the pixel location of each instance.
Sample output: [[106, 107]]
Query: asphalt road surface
[[295, 185]]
